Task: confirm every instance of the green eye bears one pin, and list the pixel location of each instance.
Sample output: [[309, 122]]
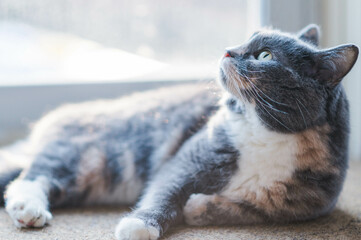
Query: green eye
[[265, 56]]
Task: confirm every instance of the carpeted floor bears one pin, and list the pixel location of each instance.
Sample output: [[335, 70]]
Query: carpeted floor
[[99, 223]]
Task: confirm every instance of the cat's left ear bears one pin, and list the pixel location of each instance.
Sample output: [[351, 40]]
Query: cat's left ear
[[334, 63], [310, 34]]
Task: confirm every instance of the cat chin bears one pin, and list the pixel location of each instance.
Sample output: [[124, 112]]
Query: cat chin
[[222, 79], [232, 92], [230, 80], [225, 80]]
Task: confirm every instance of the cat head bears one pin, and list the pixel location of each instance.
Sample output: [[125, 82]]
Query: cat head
[[286, 77]]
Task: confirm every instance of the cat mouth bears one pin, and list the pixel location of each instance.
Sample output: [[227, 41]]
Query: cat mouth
[[231, 78]]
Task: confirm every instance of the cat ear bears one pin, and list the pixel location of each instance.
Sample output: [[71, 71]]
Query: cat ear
[[334, 63], [310, 34]]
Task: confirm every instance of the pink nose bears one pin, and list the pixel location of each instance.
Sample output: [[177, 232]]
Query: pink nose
[[227, 55]]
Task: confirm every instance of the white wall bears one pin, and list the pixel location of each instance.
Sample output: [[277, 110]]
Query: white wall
[[353, 82]]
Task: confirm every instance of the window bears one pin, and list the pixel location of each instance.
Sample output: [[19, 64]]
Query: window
[[59, 51], [65, 41]]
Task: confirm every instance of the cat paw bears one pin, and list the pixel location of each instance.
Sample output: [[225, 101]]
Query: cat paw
[[130, 228], [27, 203], [28, 212], [195, 209]]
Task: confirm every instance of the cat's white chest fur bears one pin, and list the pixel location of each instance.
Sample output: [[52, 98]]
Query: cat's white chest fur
[[266, 157]]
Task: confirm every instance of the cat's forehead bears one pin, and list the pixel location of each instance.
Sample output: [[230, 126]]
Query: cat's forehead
[[275, 39], [270, 38]]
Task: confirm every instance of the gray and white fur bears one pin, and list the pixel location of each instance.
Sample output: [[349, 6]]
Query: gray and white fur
[[273, 149]]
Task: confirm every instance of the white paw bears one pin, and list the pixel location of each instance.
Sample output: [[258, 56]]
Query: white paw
[[28, 212], [194, 208], [135, 229], [27, 203]]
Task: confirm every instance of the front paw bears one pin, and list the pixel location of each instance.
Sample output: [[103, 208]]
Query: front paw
[[195, 210], [28, 212], [131, 228]]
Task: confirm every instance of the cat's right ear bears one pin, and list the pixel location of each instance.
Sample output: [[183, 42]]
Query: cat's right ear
[[310, 34], [334, 63]]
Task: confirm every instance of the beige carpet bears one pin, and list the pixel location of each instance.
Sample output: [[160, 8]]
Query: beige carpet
[[99, 223]]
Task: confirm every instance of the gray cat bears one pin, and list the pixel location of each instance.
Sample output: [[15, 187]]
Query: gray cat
[[274, 149]]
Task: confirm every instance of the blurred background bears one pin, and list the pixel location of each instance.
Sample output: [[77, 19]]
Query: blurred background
[[58, 51]]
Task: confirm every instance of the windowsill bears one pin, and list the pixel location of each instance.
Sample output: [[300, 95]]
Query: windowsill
[[25, 104]]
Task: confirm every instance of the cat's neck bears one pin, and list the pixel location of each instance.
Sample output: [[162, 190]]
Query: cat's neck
[[243, 125], [234, 105]]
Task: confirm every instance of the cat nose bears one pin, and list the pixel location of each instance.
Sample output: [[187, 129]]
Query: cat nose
[[234, 51], [229, 54]]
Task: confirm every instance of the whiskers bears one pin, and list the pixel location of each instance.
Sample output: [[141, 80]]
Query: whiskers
[[303, 117], [232, 85], [253, 92]]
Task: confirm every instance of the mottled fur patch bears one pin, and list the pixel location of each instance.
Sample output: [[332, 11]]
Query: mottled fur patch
[[202, 210], [313, 150], [91, 174]]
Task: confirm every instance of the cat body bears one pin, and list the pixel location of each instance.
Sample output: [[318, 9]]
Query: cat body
[[102, 144], [274, 149]]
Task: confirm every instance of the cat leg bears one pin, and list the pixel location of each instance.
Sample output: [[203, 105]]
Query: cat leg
[[190, 171], [159, 208], [52, 171], [202, 210], [27, 202], [162, 204]]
